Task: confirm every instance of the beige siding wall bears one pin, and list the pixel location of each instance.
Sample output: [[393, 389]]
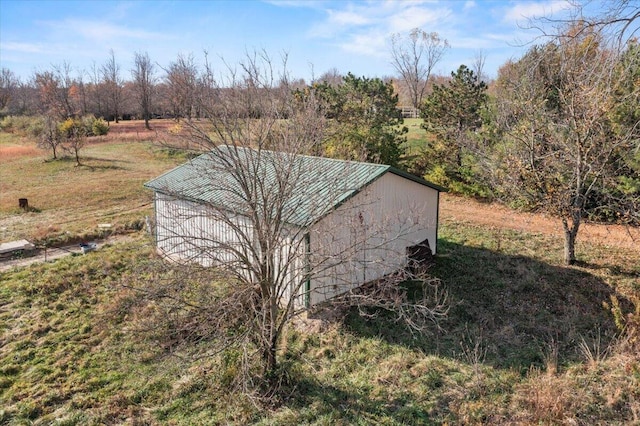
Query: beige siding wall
[[366, 238], [192, 232]]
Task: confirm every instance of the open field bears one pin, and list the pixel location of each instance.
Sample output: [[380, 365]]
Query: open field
[[68, 202], [527, 340]]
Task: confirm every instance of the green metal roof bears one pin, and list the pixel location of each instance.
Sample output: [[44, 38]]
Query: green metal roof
[[301, 189]]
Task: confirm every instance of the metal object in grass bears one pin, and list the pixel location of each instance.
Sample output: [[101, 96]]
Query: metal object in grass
[[87, 247]]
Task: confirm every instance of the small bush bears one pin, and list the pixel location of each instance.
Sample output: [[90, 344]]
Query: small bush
[[20, 125], [36, 127], [69, 126], [100, 127]]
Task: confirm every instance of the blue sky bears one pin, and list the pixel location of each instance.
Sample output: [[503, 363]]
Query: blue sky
[[316, 35]]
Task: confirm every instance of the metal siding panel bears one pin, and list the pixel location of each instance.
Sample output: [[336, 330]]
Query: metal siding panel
[[397, 213]]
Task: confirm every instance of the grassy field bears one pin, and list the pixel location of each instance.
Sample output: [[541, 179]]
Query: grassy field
[[415, 136], [68, 202], [527, 340]]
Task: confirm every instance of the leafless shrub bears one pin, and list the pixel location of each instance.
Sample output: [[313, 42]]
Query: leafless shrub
[[275, 235]]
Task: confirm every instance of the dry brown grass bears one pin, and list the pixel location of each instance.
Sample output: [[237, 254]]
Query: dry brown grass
[[494, 215], [67, 201], [15, 151]]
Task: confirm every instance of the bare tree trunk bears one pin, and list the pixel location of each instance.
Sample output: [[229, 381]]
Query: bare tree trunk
[[75, 150], [570, 234], [143, 76]]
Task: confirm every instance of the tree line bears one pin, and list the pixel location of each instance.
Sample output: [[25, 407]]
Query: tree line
[[556, 131]]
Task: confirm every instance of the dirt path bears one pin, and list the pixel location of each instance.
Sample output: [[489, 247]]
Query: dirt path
[[58, 252], [463, 209]]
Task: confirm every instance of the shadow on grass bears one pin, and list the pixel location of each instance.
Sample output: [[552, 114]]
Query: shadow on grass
[[509, 311], [84, 162], [106, 160], [353, 405]]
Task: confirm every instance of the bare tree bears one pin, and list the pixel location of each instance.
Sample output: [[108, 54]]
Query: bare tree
[[8, 85], [56, 91], [113, 83], [332, 77], [143, 80], [96, 91], [50, 136], [414, 56], [478, 65], [618, 20], [268, 202], [562, 146], [182, 85]]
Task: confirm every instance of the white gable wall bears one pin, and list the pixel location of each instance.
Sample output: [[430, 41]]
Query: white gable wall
[[193, 233], [189, 231], [370, 233]]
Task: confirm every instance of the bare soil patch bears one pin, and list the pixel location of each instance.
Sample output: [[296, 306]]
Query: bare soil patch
[[457, 208]]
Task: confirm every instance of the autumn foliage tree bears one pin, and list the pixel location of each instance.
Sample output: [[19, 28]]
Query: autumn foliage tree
[[74, 136], [563, 145]]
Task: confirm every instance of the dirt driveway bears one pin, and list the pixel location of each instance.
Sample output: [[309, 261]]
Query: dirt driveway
[[497, 216]]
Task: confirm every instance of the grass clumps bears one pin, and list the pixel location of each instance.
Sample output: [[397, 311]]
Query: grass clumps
[[527, 341]]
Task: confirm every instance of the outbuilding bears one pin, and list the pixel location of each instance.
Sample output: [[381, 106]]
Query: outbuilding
[[328, 225]]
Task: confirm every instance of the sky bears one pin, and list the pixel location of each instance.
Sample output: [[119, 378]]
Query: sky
[[315, 35]]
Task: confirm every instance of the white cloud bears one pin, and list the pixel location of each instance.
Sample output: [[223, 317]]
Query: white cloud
[[22, 47], [530, 10], [347, 18], [469, 4], [368, 44], [365, 27], [415, 17]]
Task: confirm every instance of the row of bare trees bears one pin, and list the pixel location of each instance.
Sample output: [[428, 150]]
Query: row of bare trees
[[105, 91], [148, 89]]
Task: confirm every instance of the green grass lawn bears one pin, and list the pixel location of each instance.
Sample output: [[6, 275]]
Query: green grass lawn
[[416, 137], [74, 348]]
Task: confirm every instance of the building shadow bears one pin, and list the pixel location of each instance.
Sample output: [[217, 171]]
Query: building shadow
[[508, 311]]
